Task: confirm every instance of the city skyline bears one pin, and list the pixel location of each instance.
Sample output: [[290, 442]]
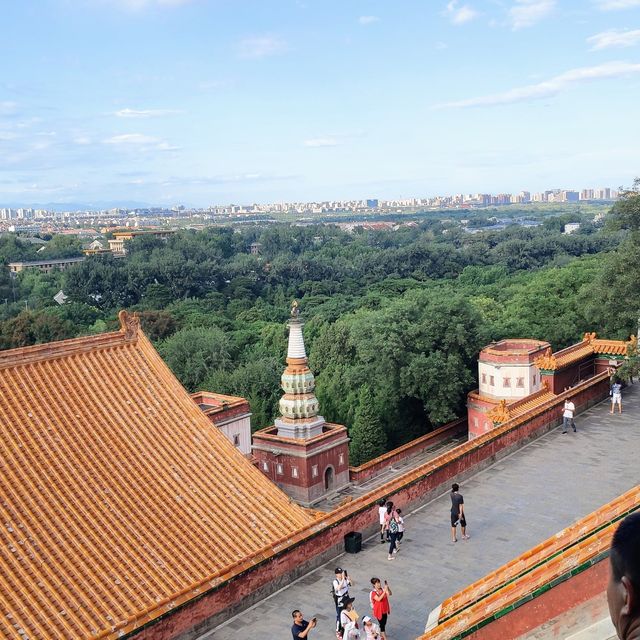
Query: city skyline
[[208, 101]]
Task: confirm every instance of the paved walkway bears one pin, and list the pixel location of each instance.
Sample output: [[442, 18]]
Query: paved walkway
[[511, 506]]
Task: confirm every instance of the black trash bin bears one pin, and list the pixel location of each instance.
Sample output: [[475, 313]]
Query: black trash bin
[[353, 542]]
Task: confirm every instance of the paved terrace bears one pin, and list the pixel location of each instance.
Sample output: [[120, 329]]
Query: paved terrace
[[510, 507]]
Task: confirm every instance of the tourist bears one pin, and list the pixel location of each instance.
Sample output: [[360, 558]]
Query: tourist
[[379, 597], [382, 510], [567, 415], [349, 620], [300, 628], [370, 628], [341, 584], [623, 590], [391, 527], [457, 513], [400, 527], [616, 396]]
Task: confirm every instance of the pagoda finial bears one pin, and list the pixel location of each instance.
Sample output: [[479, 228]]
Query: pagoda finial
[[298, 406]]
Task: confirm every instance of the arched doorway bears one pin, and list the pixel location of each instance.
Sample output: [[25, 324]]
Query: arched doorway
[[328, 478]]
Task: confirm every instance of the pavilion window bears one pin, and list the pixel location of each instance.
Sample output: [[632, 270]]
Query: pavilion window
[[520, 383], [484, 378], [279, 469], [506, 382], [491, 381], [294, 472]]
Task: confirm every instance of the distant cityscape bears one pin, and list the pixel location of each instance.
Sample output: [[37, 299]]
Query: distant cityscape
[[25, 219]]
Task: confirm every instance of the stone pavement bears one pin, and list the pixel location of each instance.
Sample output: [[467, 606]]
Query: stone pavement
[[510, 507]]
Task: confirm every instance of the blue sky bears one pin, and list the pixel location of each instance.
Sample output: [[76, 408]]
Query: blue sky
[[216, 101]]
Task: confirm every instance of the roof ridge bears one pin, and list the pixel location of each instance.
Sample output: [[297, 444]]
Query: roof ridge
[[128, 333]]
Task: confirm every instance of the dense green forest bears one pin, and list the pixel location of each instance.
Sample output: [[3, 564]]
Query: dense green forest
[[394, 319]]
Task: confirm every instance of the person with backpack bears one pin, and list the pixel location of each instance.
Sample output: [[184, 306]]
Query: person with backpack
[[392, 529], [340, 592]]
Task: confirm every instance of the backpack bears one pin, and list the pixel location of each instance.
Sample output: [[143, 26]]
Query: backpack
[[393, 525]]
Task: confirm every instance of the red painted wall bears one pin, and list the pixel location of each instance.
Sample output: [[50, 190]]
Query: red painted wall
[[565, 596], [372, 467]]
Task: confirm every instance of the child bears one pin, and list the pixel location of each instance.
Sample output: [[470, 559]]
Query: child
[[400, 521]]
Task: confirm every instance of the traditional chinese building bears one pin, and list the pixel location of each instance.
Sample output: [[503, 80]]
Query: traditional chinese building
[[230, 414], [302, 453], [121, 505], [516, 374]]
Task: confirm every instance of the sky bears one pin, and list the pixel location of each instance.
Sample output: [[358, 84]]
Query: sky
[[202, 102]]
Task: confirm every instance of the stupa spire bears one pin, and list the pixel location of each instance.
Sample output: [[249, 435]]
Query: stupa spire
[[298, 406]]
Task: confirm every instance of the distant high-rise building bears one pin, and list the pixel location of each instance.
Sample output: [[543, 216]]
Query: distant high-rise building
[[570, 196], [372, 203], [603, 193]]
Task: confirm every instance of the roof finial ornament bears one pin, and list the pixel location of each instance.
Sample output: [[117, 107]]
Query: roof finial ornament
[[129, 324]]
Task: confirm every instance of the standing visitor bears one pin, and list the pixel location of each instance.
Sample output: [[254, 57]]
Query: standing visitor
[[391, 527], [457, 513], [616, 396], [340, 589], [567, 416], [380, 602], [300, 628], [349, 620], [382, 510], [400, 527], [623, 590], [370, 628]]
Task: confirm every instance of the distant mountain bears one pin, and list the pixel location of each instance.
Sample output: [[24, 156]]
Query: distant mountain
[[83, 206]]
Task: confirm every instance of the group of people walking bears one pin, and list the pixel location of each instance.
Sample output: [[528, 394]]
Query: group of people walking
[[391, 526]]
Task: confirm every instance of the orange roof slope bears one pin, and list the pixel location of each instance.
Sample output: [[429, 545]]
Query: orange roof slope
[[119, 500]]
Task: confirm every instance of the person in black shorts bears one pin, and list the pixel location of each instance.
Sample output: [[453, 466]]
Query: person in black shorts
[[457, 513]]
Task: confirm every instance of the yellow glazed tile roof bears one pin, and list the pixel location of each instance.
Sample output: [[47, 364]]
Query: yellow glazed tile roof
[[610, 347], [590, 345], [119, 500]]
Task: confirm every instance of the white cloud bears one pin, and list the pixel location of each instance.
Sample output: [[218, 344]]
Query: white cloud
[[322, 142], [526, 13], [138, 5], [614, 38], [614, 5], [440, 45], [459, 15], [139, 141], [368, 19], [144, 113], [261, 47], [550, 87], [8, 108]]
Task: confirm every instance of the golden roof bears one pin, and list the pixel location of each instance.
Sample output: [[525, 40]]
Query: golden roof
[[589, 345], [118, 496]]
